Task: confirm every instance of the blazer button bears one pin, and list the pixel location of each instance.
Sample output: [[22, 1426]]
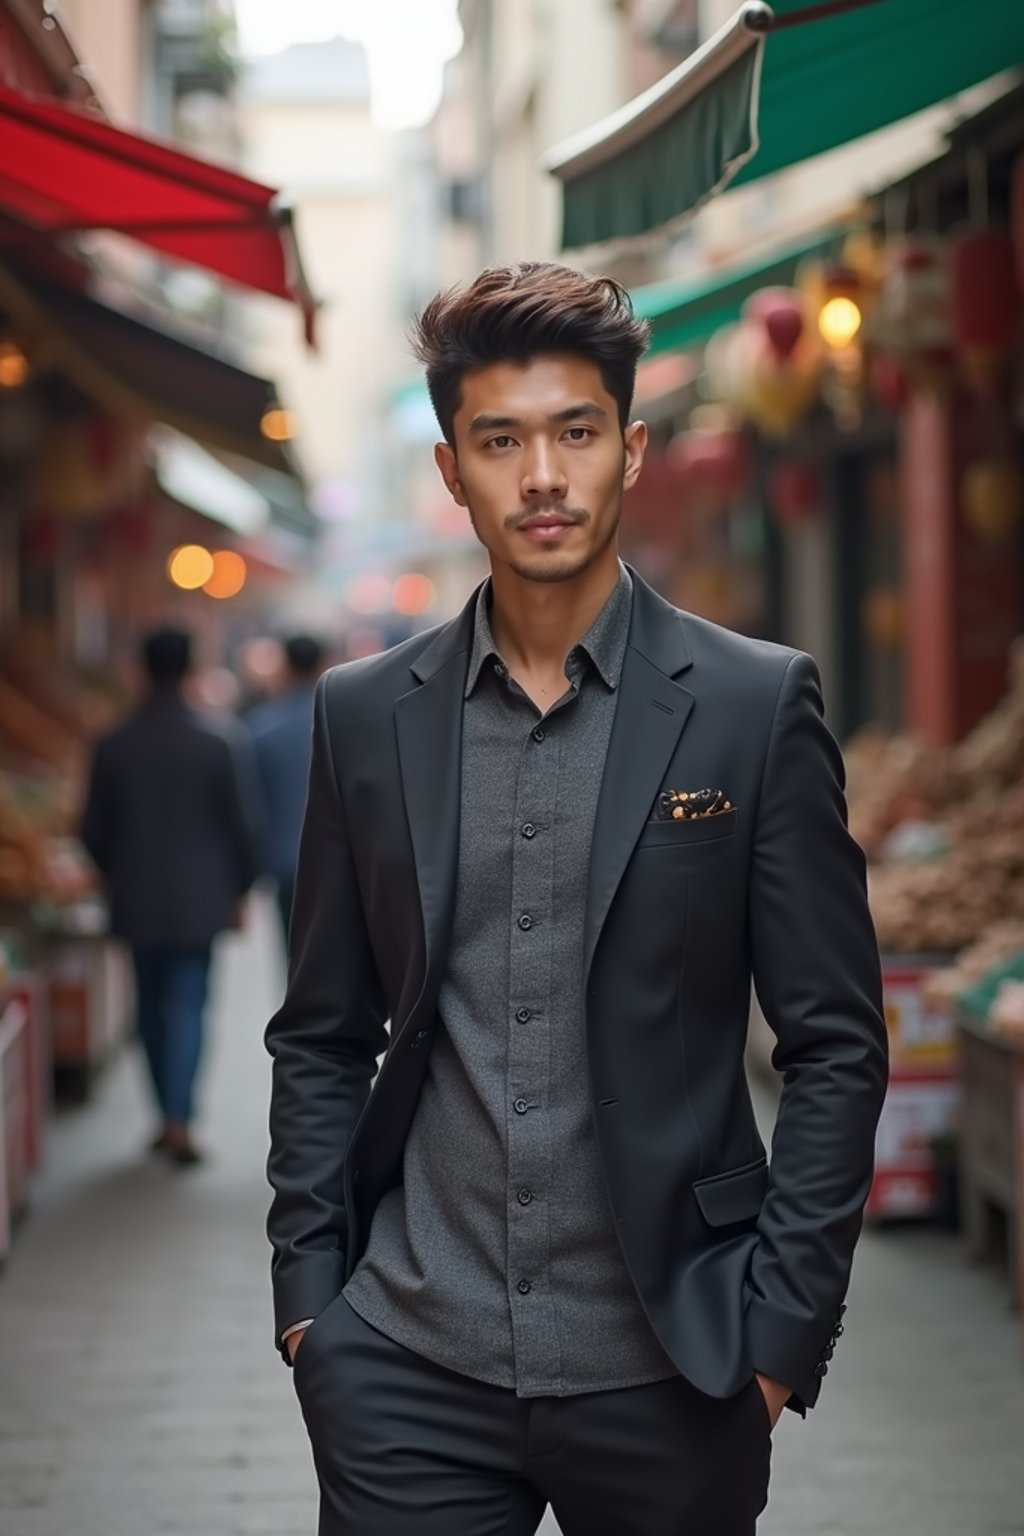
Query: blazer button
[[821, 1369]]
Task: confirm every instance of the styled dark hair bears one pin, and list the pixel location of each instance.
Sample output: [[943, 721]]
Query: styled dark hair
[[519, 312], [167, 654], [305, 655]]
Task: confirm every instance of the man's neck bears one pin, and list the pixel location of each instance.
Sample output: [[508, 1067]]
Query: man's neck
[[535, 624]]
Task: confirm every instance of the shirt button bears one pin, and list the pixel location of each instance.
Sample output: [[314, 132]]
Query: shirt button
[[526, 921], [520, 1106], [523, 1015], [500, 670], [538, 734], [523, 1287], [529, 830], [524, 1196]]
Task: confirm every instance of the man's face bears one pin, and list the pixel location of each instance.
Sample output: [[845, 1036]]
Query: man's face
[[541, 463]]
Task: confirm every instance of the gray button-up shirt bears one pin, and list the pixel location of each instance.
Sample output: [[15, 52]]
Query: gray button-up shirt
[[496, 1256]]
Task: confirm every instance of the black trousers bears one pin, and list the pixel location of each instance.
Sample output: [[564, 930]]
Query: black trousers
[[404, 1447]]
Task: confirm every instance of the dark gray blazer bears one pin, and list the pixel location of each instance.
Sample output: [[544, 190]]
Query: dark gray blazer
[[739, 1267], [172, 822]]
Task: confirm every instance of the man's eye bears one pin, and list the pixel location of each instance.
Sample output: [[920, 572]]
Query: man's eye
[[579, 434], [499, 442]]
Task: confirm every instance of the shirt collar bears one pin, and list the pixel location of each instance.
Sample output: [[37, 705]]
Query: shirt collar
[[604, 642]]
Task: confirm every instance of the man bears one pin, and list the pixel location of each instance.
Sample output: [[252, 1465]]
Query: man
[[170, 822], [281, 733], [545, 1261]]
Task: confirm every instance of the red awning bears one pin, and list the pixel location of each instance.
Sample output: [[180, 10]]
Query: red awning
[[64, 171]]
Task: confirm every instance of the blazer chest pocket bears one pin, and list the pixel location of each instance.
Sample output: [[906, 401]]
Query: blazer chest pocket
[[687, 834], [726, 1199]]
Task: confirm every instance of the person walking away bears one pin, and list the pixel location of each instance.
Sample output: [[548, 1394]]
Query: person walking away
[[172, 822], [545, 1260], [282, 737]]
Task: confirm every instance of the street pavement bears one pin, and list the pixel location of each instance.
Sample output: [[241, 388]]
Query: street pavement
[[140, 1394]]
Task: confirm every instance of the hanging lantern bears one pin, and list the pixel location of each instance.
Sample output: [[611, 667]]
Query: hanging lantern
[[842, 309], [794, 493], [993, 498], [986, 305], [883, 617], [915, 312], [780, 312]]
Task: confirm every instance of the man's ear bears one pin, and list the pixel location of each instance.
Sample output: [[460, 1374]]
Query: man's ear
[[444, 458], [636, 447]]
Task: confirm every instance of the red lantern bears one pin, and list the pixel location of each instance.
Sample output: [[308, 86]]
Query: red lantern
[[795, 493], [986, 305], [780, 312]]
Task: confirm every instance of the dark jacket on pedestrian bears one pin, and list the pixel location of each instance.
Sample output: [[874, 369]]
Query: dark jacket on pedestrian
[[282, 734], [172, 821]]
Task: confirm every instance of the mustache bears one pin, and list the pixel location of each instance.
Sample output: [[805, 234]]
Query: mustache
[[574, 515]]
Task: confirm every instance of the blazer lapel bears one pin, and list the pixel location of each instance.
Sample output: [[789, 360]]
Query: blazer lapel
[[649, 719], [428, 724]]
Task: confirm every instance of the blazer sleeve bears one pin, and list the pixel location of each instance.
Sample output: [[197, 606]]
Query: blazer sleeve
[[324, 1041], [817, 976]]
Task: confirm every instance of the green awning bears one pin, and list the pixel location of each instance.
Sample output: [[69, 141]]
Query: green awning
[[774, 87], [684, 314]]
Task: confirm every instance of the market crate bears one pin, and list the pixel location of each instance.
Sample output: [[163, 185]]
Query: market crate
[[923, 1097], [87, 994], [992, 1144]]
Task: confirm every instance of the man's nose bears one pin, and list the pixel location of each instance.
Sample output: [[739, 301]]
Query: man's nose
[[543, 474]]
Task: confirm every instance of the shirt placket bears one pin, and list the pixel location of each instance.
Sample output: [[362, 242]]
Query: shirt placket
[[535, 1340]]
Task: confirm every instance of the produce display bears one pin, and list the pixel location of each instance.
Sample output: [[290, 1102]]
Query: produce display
[[943, 829]]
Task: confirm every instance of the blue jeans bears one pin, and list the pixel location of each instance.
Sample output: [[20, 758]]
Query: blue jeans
[[171, 986]]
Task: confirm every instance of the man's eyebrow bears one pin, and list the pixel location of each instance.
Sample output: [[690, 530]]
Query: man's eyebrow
[[486, 423], [585, 410]]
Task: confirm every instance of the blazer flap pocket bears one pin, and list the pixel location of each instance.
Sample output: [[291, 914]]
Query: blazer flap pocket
[[725, 1198], [702, 829]]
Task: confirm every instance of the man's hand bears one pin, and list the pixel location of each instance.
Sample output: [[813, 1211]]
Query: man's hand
[[775, 1395], [293, 1341]]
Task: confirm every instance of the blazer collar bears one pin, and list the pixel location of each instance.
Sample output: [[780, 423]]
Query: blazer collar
[[656, 630]]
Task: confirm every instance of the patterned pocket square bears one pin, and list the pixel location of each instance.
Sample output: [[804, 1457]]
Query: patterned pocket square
[[683, 805]]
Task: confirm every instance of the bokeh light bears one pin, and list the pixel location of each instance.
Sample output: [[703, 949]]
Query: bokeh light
[[229, 573], [14, 365], [277, 424], [190, 567], [839, 321], [412, 593]]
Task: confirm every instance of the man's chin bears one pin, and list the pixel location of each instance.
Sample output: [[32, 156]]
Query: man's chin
[[551, 567]]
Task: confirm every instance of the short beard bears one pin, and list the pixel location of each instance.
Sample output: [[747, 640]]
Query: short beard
[[555, 570]]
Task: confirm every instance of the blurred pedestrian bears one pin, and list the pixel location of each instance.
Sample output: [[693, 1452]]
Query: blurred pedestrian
[[282, 736], [172, 822], [553, 842]]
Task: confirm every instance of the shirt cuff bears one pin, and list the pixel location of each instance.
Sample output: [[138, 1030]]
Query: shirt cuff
[[296, 1328]]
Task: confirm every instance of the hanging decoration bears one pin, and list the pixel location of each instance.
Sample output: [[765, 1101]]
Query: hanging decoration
[[992, 497], [745, 371], [985, 306], [883, 617], [713, 462], [914, 320], [890, 381], [780, 311]]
